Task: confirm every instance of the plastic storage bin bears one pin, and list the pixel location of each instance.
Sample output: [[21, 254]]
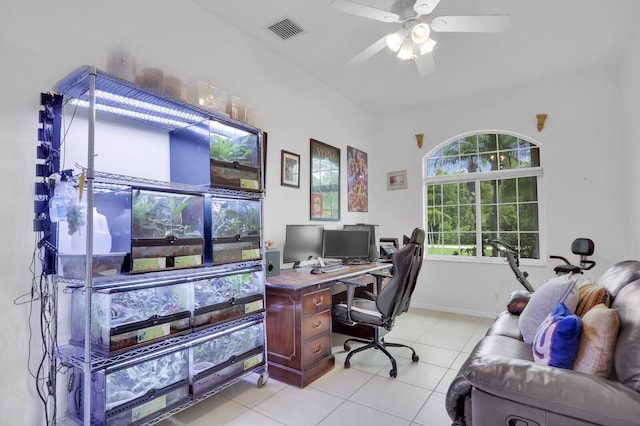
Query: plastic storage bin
[[220, 358], [167, 231], [235, 229], [133, 392], [111, 235], [226, 298], [127, 317]]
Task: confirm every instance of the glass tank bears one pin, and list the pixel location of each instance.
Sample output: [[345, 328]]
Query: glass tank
[[111, 232], [235, 162], [127, 317], [132, 392], [166, 231], [217, 359], [229, 297], [235, 229]]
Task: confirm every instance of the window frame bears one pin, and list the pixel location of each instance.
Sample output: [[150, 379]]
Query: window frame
[[476, 178]]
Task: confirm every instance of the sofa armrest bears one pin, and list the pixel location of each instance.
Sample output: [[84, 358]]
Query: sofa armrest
[[564, 392]]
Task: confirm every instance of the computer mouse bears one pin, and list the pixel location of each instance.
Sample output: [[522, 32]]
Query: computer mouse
[[316, 271]]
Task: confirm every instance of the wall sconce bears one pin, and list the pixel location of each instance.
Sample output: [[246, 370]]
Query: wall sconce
[[541, 119], [419, 138]]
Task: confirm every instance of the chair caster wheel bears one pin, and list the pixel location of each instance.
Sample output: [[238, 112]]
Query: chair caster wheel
[[346, 347], [415, 358], [393, 373], [347, 364]]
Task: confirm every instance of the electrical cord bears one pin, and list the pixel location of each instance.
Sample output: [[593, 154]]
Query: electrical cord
[[42, 296]]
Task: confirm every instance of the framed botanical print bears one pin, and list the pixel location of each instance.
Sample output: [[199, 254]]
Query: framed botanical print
[[325, 181]]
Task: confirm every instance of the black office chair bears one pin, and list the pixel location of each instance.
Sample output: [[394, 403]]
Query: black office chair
[[390, 301]]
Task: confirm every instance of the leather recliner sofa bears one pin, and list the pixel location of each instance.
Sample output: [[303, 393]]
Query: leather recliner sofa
[[500, 384]]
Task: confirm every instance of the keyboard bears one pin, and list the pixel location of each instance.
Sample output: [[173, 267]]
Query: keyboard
[[332, 268]]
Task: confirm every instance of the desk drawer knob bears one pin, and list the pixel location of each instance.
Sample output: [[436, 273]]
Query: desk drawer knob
[[316, 324], [317, 350], [318, 303]]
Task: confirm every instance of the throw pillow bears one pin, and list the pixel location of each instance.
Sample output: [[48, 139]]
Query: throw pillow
[[557, 289], [597, 344], [591, 294], [518, 300], [556, 341]]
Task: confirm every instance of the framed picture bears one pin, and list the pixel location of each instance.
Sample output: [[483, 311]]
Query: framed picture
[[289, 169], [357, 180], [325, 181], [264, 160], [397, 180]]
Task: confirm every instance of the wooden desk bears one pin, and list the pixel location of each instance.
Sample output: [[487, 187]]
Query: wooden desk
[[299, 322]]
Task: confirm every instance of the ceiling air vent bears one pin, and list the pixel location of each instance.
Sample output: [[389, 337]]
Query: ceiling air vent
[[285, 28]]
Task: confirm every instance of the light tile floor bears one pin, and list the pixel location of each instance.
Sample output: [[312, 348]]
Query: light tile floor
[[363, 394]]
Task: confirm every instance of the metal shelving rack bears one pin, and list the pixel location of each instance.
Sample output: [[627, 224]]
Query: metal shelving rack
[[104, 92]]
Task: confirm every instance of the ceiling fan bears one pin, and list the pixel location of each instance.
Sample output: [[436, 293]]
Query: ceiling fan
[[413, 40]]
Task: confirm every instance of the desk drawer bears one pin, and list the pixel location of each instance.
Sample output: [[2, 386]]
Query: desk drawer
[[316, 301], [316, 349], [316, 324]]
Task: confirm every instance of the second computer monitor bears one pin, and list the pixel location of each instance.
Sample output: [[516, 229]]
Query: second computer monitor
[[348, 246], [373, 237]]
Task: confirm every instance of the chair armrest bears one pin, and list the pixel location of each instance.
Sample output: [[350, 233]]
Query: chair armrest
[[379, 279], [556, 390], [351, 291], [351, 288]]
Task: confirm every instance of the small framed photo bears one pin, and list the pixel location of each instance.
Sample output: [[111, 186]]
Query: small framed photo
[[289, 169], [397, 180]]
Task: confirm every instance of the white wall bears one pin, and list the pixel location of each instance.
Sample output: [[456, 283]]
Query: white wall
[[585, 192], [41, 41], [631, 103]]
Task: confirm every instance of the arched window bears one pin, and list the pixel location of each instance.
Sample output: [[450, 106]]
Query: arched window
[[479, 186]]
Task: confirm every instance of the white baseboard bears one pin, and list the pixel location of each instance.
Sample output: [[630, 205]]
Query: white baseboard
[[453, 310]]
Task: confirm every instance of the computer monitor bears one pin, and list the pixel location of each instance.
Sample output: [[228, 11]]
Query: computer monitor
[[373, 237], [302, 242], [348, 246]]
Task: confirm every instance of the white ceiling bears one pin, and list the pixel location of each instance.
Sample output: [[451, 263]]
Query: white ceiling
[[545, 37]]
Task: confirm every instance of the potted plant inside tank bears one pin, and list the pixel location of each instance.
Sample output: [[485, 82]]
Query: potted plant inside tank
[[166, 231], [234, 159], [235, 230]]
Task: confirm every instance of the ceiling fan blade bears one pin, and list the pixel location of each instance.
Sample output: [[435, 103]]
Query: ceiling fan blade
[[364, 11], [368, 52], [425, 64], [425, 7], [471, 24]]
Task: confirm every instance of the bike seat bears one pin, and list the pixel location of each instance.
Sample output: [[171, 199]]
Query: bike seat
[[567, 269]]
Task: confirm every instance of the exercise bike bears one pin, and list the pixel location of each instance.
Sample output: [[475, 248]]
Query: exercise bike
[[518, 299], [582, 247]]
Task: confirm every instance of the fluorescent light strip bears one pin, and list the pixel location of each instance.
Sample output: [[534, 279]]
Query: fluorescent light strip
[[152, 109], [149, 106], [224, 130], [134, 114]]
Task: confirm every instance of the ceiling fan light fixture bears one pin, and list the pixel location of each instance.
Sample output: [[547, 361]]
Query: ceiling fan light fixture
[[394, 41], [406, 51], [427, 46], [420, 33]]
